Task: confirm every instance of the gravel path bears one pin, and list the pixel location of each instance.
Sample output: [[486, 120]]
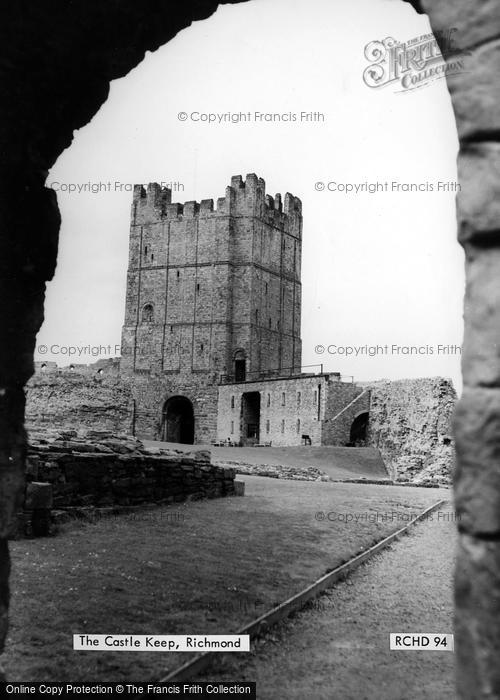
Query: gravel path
[[338, 648]]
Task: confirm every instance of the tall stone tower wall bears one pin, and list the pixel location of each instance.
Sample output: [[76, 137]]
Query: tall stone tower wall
[[208, 286]]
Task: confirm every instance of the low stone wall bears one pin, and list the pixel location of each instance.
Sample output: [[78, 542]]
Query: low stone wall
[[103, 470]]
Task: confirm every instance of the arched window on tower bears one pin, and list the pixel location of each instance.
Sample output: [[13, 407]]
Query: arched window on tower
[[239, 366], [147, 313]]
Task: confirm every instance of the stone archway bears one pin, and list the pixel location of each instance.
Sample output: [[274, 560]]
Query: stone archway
[[178, 420], [58, 63], [359, 426]]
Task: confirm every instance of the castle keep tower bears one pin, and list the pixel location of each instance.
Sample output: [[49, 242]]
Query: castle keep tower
[[211, 293]]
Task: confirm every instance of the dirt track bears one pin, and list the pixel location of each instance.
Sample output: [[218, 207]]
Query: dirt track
[[339, 647]]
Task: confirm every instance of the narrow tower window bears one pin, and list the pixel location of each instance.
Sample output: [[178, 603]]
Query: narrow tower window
[[147, 313]]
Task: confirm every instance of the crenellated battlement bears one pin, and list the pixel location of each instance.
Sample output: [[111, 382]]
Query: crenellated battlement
[[242, 198]]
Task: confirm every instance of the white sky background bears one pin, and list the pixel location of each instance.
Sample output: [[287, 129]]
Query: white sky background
[[379, 268]]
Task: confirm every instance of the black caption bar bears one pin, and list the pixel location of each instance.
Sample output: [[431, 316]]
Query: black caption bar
[[201, 691]]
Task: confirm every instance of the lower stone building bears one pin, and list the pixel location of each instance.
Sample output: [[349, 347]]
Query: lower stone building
[[318, 409]]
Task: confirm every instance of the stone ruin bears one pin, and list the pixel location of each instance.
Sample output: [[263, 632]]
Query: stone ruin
[[39, 123], [96, 473]]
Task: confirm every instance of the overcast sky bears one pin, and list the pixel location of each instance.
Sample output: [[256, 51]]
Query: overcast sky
[[379, 268]]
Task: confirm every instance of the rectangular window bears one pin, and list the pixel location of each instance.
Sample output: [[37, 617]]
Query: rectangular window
[[268, 400], [283, 399], [232, 401]]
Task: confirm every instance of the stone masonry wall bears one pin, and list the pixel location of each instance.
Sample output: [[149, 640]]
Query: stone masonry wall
[[290, 408], [151, 392], [79, 398], [410, 423], [102, 469], [204, 282], [344, 402], [283, 402]]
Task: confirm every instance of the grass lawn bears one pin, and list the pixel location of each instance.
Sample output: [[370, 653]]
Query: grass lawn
[[337, 462], [194, 568]]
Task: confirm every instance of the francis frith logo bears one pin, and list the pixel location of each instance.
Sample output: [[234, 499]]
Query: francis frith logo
[[414, 63]]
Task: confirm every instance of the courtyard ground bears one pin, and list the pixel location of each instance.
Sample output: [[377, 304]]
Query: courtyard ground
[[337, 462], [338, 647], [192, 568]]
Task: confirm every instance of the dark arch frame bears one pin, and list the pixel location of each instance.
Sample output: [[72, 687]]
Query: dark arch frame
[[177, 420]]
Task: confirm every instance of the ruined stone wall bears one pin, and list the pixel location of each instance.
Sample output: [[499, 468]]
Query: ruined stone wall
[[78, 399], [107, 470], [410, 423], [99, 396]]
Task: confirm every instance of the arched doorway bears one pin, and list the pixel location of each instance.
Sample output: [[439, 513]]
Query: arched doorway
[[357, 435], [178, 420]]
